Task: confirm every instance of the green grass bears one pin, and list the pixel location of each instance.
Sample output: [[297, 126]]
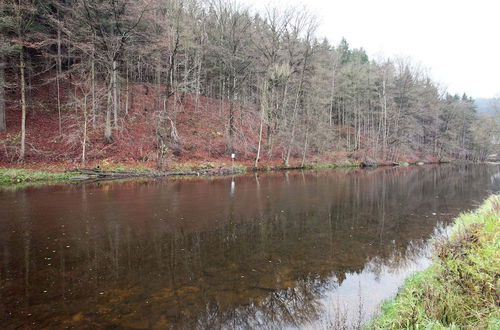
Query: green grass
[[188, 167], [16, 176], [117, 167], [315, 166], [240, 168], [123, 168], [325, 166], [460, 289]]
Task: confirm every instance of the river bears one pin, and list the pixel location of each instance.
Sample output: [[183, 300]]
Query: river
[[312, 249]]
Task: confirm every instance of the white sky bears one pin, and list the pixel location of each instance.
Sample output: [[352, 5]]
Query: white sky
[[457, 40]]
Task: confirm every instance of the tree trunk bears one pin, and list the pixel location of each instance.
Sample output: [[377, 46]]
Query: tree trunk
[[3, 122], [58, 77], [84, 142], [304, 151], [127, 92], [263, 109], [384, 128], [294, 116], [297, 99], [332, 94], [230, 147], [92, 83], [107, 125], [23, 105], [198, 83], [162, 132], [114, 85], [232, 128], [295, 110]]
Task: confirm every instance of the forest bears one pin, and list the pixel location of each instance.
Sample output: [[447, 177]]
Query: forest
[[166, 81]]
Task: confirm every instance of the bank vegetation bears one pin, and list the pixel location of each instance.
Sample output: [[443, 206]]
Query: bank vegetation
[[460, 289]]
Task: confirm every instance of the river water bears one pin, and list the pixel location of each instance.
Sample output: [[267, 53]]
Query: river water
[[295, 249]]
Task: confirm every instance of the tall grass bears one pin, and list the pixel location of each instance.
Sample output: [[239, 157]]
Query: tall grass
[[14, 176], [461, 288]]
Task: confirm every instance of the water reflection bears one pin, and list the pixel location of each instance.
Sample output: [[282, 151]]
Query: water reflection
[[273, 250]]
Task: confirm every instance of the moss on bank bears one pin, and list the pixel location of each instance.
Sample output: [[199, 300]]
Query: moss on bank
[[15, 176], [461, 288], [325, 166]]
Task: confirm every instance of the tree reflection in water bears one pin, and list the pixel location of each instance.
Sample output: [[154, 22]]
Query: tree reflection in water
[[270, 250]]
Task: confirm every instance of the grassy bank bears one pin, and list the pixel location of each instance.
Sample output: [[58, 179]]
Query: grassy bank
[[16, 176], [9, 176], [325, 166], [461, 288]]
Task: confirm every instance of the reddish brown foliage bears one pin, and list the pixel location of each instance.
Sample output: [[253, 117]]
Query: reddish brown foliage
[[202, 125]]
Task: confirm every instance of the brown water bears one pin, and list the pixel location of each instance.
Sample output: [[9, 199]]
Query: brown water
[[278, 250]]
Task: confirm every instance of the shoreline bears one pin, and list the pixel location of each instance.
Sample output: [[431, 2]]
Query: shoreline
[[46, 173], [459, 288], [23, 175]]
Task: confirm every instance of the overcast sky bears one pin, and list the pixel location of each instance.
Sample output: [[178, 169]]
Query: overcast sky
[[457, 40]]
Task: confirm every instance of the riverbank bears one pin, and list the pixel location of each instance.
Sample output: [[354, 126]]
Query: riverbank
[[69, 172], [105, 170], [460, 289], [9, 176]]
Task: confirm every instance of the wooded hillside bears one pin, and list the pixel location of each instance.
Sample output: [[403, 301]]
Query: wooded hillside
[[158, 80]]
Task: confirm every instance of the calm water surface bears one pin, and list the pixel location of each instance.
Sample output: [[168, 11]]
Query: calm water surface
[[278, 250]]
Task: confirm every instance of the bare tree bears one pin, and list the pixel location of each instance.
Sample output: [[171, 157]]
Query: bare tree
[[3, 123], [21, 16]]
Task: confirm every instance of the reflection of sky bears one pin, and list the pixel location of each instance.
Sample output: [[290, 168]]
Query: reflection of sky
[[366, 290], [372, 287], [495, 182]]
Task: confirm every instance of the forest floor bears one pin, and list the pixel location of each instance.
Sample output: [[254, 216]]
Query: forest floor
[[460, 289], [54, 142]]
